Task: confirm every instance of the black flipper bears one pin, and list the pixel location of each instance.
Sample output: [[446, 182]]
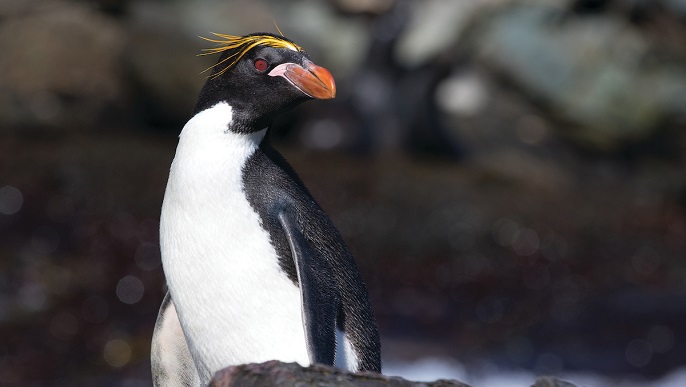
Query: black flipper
[[320, 300]]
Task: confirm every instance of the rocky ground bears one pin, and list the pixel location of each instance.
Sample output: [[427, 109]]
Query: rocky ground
[[510, 175]]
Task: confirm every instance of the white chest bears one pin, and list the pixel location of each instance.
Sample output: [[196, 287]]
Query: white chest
[[234, 303]]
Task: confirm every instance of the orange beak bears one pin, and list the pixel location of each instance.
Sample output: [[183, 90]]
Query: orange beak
[[314, 81]]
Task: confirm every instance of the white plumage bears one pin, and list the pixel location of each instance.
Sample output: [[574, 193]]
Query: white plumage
[[235, 304]]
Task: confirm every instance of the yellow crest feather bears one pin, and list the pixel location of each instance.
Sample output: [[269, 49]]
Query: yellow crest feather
[[242, 44]]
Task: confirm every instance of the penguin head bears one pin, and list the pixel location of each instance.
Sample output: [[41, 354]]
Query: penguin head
[[261, 76]]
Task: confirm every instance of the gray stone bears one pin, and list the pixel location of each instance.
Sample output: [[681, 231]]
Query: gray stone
[[677, 6], [593, 72], [59, 67], [436, 25], [275, 373], [550, 381], [165, 72]]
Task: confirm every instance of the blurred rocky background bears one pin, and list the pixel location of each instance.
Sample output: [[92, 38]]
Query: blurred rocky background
[[511, 176]]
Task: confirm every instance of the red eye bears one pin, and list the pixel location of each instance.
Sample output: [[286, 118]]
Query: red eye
[[261, 65]]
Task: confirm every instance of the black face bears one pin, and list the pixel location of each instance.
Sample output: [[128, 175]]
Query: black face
[[257, 93]]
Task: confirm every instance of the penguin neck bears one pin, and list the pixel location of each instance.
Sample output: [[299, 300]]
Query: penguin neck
[[244, 117], [214, 146], [209, 160], [222, 124]]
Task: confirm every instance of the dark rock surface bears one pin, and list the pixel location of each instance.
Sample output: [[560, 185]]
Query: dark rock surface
[[587, 70], [60, 67], [279, 374], [274, 373]]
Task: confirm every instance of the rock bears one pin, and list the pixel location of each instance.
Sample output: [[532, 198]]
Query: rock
[[676, 6], [373, 7], [597, 72], [165, 73], [436, 25], [275, 373], [550, 381], [59, 67]]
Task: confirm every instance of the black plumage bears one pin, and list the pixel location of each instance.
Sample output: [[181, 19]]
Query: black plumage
[[274, 189]]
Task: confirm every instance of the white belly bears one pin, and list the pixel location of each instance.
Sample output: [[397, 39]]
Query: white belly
[[235, 304]]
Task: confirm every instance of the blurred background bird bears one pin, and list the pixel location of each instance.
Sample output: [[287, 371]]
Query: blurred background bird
[[509, 175]]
